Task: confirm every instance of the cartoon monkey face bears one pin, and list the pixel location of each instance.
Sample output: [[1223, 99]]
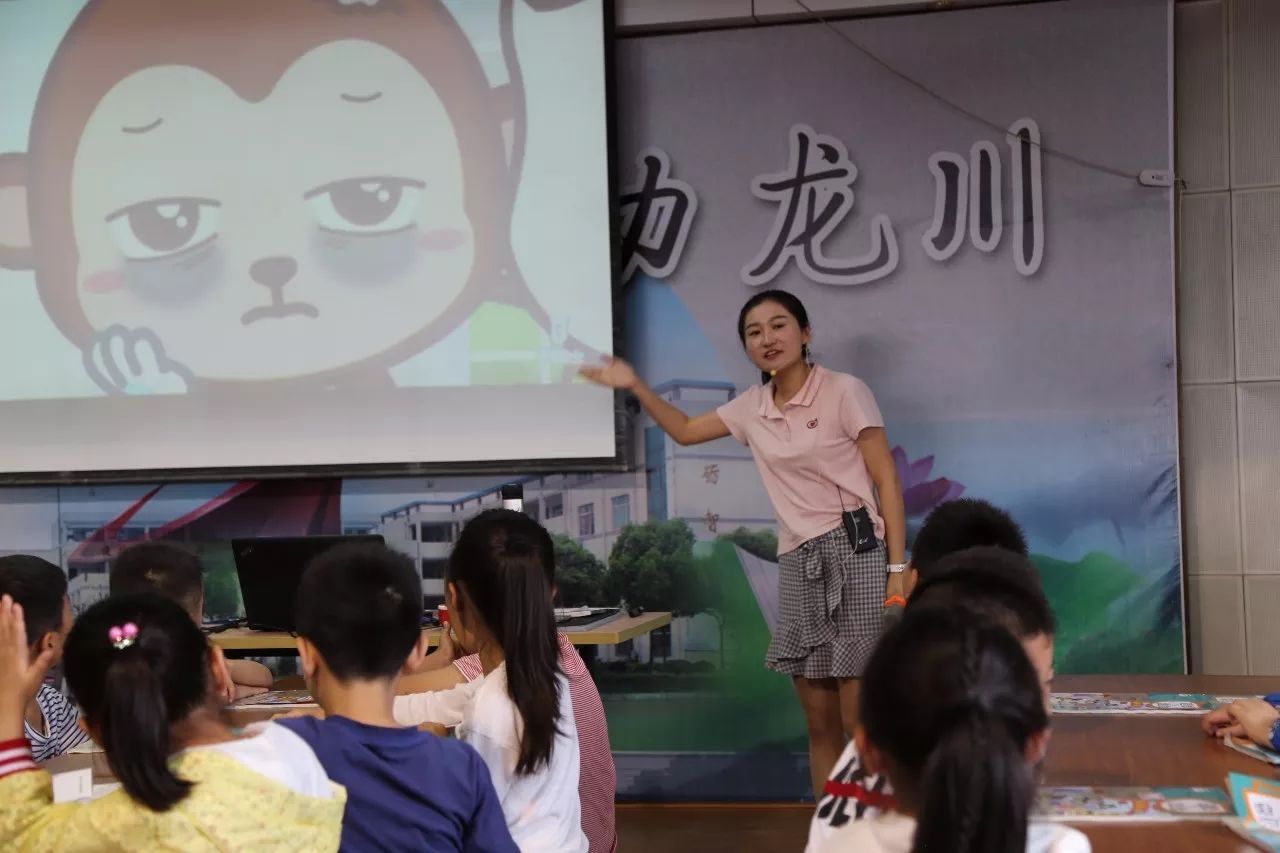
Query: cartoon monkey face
[[309, 231], [273, 190]]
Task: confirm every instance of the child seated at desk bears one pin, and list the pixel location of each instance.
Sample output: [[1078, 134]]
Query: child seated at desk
[[359, 615], [50, 722], [1000, 578], [149, 685], [176, 573], [520, 715], [597, 776], [954, 714]]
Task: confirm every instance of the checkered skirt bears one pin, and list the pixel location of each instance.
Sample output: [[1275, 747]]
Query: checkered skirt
[[830, 608]]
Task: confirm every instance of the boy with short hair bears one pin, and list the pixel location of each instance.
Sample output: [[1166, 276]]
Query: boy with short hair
[[359, 611], [958, 526], [51, 723], [968, 553], [175, 573]]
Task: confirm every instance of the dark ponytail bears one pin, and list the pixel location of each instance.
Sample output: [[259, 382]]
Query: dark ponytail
[[951, 700], [132, 695], [503, 562], [789, 302]]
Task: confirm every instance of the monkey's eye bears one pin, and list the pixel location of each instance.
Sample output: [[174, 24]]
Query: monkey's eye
[[157, 229], [366, 205]]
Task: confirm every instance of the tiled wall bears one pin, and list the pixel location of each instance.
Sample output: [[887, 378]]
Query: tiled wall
[[1227, 114]]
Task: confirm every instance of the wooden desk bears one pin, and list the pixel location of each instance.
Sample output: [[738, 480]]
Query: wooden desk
[[1089, 749], [241, 642]]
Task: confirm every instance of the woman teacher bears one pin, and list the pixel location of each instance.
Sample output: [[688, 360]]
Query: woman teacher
[[819, 441]]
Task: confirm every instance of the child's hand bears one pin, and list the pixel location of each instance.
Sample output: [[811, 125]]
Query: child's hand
[[443, 656], [244, 691], [20, 677], [318, 713], [1256, 717], [1220, 723]]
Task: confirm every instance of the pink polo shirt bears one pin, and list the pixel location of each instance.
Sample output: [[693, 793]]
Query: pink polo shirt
[[807, 453]]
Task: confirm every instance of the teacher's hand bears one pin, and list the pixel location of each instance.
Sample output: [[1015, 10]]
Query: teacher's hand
[[895, 584], [615, 373]]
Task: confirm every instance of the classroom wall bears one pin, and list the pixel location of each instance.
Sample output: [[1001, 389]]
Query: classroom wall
[[1228, 153]]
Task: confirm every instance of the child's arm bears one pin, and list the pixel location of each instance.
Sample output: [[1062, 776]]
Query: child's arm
[[425, 682], [446, 707], [28, 817], [251, 675]]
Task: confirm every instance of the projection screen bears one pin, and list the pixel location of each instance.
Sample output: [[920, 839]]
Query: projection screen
[[238, 234]]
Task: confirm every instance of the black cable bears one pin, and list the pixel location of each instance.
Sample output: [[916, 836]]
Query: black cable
[[967, 113]]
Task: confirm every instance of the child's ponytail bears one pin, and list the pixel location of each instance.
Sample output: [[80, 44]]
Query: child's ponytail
[[975, 792], [135, 732], [951, 701], [136, 665], [504, 563]]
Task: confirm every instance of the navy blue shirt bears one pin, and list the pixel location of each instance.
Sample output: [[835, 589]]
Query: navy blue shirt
[[406, 789]]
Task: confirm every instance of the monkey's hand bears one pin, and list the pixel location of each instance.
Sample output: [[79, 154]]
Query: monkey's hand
[[132, 362]]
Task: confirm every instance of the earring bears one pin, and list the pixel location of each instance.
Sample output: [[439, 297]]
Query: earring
[[806, 354]]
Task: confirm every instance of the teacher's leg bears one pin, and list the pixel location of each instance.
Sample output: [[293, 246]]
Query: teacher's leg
[[848, 705], [820, 699]]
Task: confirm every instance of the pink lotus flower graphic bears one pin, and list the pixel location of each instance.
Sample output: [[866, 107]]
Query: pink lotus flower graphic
[[919, 493]]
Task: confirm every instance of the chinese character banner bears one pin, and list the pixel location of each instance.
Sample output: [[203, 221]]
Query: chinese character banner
[[956, 199]]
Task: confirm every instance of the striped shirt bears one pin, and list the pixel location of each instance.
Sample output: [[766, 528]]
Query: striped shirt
[[61, 721], [597, 778]]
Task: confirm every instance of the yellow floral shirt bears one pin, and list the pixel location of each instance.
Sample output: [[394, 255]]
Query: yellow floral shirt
[[230, 807]]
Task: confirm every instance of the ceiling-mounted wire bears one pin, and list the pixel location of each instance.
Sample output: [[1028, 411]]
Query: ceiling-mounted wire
[[1082, 162]]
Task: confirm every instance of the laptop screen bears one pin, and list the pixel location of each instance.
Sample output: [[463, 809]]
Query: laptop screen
[[270, 571]]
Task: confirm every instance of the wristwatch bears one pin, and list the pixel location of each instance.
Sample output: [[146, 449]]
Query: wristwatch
[[896, 568]]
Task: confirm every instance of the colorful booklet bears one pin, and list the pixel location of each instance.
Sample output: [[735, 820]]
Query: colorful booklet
[[1138, 703], [1252, 750], [1257, 805], [1078, 804], [276, 699]]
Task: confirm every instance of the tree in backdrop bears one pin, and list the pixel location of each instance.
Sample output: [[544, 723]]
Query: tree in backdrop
[[761, 543], [580, 575], [651, 566]]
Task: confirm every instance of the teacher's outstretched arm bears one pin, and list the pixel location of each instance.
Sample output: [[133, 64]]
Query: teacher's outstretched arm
[[874, 444], [684, 429]]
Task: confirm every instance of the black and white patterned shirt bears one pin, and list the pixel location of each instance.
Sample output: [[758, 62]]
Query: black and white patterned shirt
[[61, 721], [851, 794]]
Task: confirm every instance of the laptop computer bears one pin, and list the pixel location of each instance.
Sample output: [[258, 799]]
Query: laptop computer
[[270, 571]]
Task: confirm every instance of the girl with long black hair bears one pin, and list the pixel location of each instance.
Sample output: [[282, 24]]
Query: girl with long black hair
[[955, 715], [519, 717]]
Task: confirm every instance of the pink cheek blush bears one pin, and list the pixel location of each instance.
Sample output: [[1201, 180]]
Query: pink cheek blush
[[105, 281], [442, 239]]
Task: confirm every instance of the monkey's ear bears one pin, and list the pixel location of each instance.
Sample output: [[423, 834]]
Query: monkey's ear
[[15, 223]]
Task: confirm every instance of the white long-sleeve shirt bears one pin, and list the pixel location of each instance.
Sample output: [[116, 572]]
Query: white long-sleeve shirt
[[542, 808]]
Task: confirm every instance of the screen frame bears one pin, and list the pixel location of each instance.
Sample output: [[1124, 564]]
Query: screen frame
[[622, 460]]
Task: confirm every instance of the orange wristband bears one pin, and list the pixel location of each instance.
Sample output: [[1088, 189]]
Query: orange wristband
[[895, 599]]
